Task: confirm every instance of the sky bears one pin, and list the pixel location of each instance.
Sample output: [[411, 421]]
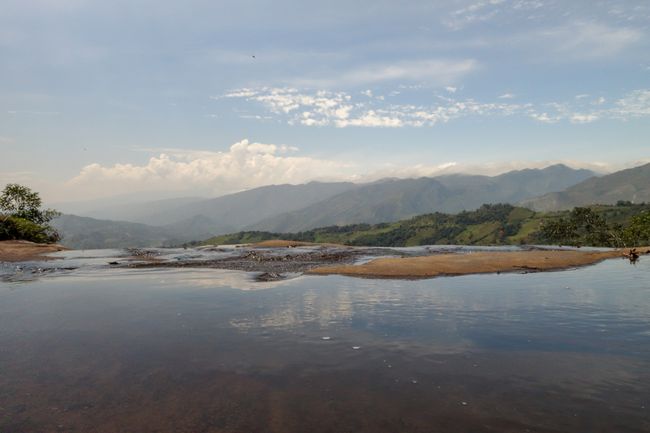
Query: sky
[[160, 98]]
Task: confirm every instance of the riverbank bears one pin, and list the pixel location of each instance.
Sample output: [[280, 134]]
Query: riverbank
[[23, 251], [475, 263]]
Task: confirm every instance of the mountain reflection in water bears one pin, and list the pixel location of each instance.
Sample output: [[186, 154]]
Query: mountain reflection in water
[[200, 350]]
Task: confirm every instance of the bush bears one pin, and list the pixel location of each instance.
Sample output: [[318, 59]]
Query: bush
[[14, 228], [21, 216], [638, 232]]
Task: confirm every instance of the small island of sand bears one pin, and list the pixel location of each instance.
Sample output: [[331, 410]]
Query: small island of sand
[[22, 251], [475, 263]]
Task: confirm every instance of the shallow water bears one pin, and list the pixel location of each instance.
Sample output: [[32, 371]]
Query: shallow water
[[198, 350]]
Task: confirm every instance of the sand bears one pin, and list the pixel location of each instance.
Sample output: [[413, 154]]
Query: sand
[[474, 263], [21, 251]]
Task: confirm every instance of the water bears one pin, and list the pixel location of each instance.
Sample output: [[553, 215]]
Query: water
[[197, 350]]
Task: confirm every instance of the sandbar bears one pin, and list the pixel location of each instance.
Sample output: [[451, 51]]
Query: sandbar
[[21, 251], [475, 263]]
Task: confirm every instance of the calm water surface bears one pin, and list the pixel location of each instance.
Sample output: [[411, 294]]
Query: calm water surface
[[118, 350]]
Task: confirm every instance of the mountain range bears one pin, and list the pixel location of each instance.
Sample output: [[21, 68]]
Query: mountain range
[[292, 208], [631, 185], [394, 199]]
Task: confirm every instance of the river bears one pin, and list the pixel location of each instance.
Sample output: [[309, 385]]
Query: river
[[86, 347]]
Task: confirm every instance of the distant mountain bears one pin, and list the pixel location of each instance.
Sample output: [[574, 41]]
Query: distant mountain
[[225, 213], [628, 185], [151, 212], [395, 199], [247, 207], [119, 205], [89, 233], [174, 221], [290, 208]]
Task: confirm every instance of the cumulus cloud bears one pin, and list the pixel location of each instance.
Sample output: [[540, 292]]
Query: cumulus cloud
[[248, 165], [341, 110], [245, 165]]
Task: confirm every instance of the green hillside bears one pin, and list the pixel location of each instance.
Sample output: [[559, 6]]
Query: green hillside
[[499, 224]]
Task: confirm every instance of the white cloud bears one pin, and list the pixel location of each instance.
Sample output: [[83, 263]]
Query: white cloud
[[325, 108], [451, 89], [341, 110], [371, 118], [634, 105], [583, 118], [245, 165], [544, 117], [588, 40], [431, 71], [485, 10], [248, 165]]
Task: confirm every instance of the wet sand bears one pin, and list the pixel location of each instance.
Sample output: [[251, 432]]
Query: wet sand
[[22, 251], [474, 263]]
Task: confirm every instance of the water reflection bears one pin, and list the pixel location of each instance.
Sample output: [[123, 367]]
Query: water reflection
[[213, 350]]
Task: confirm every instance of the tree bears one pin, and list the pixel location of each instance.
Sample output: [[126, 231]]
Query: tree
[[638, 231], [21, 202], [21, 216]]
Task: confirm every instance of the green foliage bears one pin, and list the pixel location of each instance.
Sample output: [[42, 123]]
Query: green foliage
[[21, 216], [626, 224], [12, 228], [638, 231], [610, 226]]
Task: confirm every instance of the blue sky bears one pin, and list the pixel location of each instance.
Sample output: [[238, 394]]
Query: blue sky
[[204, 97]]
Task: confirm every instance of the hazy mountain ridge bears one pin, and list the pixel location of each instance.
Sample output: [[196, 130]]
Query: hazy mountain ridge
[[396, 199], [628, 185], [292, 208], [237, 209], [88, 233]]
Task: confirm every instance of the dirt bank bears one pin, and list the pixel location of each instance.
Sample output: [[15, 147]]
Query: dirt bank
[[21, 251], [473, 263]]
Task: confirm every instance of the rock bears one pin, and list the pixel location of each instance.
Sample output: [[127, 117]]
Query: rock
[[269, 276]]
